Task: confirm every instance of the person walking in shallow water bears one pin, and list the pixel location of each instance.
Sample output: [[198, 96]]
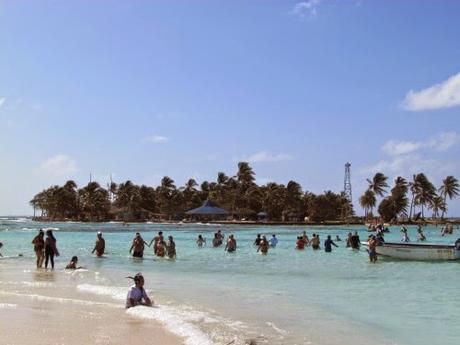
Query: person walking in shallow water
[[39, 248], [328, 244], [231, 244], [99, 247], [137, 248], [50, 248]]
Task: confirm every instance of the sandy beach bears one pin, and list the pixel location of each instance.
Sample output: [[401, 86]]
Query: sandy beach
[[44, 308]]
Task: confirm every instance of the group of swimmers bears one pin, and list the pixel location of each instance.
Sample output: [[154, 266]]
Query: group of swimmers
[[161, 248]]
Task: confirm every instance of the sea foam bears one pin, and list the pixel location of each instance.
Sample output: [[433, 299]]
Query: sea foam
[[175, 320]]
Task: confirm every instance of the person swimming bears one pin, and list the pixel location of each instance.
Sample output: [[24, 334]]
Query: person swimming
[[231, 244], [72, 265], [337, 238], [137, 294]]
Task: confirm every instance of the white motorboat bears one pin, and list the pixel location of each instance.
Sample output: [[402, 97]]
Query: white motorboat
[[417, 251]]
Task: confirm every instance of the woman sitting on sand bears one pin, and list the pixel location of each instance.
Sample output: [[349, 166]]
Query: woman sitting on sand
[[39, 247], [137, 294], [171, 248]]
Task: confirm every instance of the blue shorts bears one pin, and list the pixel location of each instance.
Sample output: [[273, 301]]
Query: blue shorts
[[372, 254]]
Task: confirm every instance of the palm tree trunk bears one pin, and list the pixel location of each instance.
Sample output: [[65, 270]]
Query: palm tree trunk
[[411, 206], [442, 214]]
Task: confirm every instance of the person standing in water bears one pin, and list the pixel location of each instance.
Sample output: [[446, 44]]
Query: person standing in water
[[305, 238], [99, 247], [171, 248], [315, 242], [137, 294], [421, 235], [372, 248], [273, 241], [257, 240], [1, 245], [137, 248], [50, 248], [231, 244], [200, 241], [157, 239], [300, 243], [263, 246], [220, 237], [328, 244], [39, 248], [354, 241]]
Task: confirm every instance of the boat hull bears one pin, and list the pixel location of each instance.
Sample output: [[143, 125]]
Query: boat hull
[[416, 251]]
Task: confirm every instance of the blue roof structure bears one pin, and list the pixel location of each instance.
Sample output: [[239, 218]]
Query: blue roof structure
[[208, 209]]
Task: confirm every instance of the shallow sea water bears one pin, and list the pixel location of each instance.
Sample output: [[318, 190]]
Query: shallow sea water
[[286, 297]]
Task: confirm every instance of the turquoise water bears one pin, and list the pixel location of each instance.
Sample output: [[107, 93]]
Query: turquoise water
[[286, 297]]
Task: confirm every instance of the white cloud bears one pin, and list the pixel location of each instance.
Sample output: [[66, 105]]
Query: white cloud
[[264, 156], [438, 96], [442, 142], [157, 139], [306, 9], [396, 147], [59, 165], [2, 101]]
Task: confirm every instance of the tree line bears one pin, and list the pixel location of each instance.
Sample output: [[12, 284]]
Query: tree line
[[408, 197], [238, 194]]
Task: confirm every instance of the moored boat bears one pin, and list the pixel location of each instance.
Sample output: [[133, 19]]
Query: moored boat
[[417, 251]]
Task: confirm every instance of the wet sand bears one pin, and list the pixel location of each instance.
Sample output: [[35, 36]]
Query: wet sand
[[44, 308]]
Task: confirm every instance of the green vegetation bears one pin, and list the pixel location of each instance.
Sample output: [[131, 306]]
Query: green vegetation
[[423, 195], [239, 194]]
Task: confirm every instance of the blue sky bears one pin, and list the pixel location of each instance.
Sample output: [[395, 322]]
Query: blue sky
[[143, 89]]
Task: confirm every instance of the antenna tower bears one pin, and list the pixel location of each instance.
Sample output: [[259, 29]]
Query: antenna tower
[[347, 182]]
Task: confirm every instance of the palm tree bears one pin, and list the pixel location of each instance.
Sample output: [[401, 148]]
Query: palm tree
[[378, 184], [450, 188], [424, 191], [367, 202], [437, 204]]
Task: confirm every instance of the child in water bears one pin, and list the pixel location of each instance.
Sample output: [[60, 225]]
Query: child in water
[[72, 265]]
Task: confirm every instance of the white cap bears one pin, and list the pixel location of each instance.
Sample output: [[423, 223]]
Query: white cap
[[99, 233]]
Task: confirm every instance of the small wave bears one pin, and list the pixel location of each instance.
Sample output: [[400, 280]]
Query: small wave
[[53, 229], [277, 329], [8, 306], [59, 299], [175, 320], [29, 229]]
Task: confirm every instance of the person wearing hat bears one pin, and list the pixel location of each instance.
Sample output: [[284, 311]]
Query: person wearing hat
[[99, 247], [137, 294]]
